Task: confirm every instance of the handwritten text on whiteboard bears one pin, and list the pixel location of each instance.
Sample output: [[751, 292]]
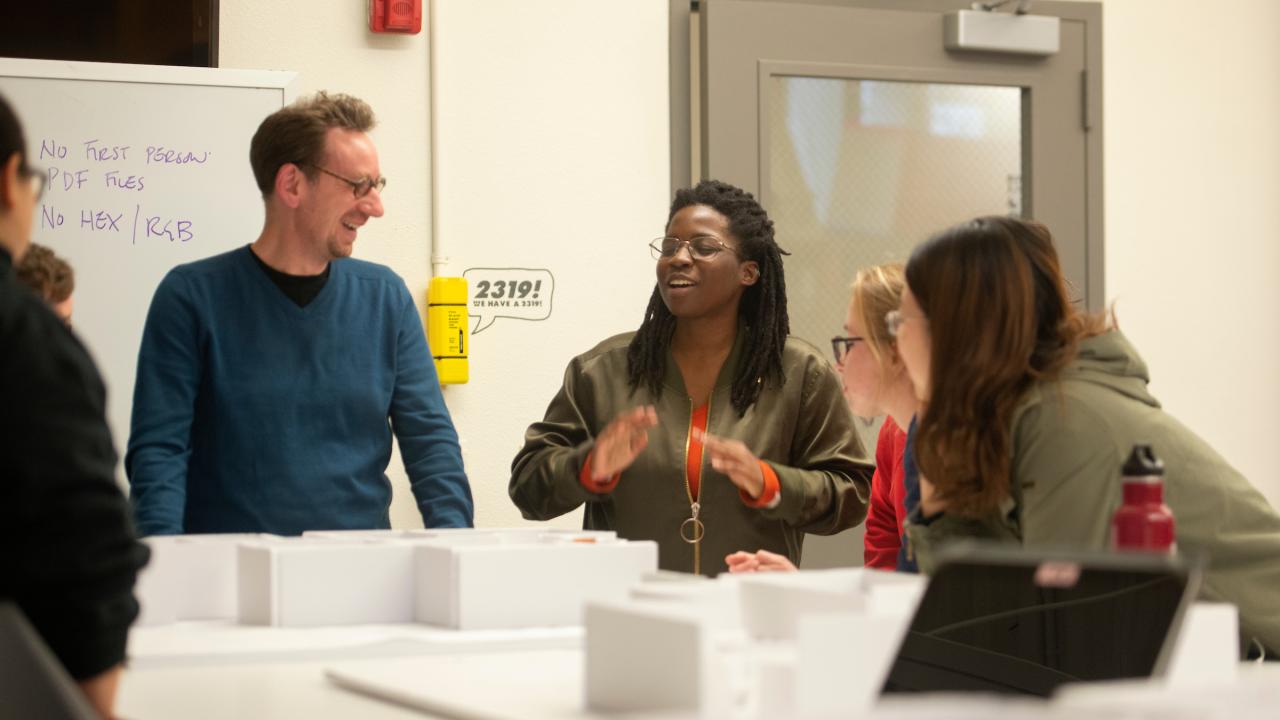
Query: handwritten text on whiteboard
[[125, 169]]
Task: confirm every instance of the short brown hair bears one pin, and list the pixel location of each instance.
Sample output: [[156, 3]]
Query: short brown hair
[[295, 134], [47, 274]]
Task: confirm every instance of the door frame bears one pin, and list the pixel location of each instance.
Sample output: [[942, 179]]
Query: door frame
[[682, 47]]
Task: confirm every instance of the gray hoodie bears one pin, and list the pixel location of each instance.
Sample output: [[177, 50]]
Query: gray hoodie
[[1070, 439]]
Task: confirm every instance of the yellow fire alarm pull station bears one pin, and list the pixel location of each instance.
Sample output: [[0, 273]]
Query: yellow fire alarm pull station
[[447, 328]]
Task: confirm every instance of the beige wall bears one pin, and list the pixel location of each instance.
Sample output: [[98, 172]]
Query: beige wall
[[1192, 118], [1192, 152], [551, 122]]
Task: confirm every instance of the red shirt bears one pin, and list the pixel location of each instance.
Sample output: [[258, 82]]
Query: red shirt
[[887, 512]]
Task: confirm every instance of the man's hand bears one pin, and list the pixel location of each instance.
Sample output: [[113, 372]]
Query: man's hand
[[621, 442], [759, 561], [737, 463]]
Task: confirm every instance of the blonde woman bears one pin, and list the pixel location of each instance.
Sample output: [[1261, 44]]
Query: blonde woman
[[875, 384]]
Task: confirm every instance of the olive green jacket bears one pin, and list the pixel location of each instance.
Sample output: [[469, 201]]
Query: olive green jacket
[[1070, 439], [803, 429]]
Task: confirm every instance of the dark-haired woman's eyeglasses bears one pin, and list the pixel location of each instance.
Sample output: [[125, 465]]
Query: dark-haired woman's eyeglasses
[[38, 178], [840, 346], [894, 320], [700, 248]]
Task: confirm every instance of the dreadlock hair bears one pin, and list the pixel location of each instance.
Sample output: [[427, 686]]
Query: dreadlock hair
[[763, 308]]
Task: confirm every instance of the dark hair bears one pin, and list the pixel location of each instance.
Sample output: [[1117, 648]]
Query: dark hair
[[47, 274], [11, 139], [295, 134], [763, 308], [1000, 319]]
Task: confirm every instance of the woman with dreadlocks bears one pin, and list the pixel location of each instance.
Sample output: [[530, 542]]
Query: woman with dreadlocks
[[708, 429]]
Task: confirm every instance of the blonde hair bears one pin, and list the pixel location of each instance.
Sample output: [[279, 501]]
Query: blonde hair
[[876, 290]]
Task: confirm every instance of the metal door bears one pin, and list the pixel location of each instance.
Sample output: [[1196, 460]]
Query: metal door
[[862, 134]]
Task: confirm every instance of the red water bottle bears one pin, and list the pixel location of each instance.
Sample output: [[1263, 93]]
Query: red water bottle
[[1143, 521]]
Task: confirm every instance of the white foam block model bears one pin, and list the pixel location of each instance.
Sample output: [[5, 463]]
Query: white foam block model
[[306, 582], [715, 598], [652, 657], [893, 593], [813, 643], [842, 660], [484, 535], [1206, 651], [514, 580], [408, 534], [459, 579], [189, 577], [772, 602], [774, 681]]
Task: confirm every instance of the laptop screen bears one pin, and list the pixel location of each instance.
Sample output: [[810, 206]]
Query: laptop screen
[[1012, 621], [33, 684]]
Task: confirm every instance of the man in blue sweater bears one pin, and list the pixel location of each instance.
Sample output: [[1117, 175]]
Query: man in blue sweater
[[271, 377]]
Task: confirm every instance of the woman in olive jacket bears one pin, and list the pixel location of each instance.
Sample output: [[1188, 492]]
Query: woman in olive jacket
[[707, 430], [1031, 407]]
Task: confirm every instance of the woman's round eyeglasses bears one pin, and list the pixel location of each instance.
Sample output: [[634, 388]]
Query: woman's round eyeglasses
[[700, 248], [894, 320]]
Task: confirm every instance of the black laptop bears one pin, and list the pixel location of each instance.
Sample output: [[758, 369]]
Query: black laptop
[[33, 684], [1007, 620]]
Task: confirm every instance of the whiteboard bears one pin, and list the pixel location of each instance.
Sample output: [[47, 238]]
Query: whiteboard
[[149, 168]]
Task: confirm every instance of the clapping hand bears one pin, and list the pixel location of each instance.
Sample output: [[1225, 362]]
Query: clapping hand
[[621, 441], [739, 464]]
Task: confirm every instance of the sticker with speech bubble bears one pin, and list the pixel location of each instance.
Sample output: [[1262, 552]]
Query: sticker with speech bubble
[[516, 293]]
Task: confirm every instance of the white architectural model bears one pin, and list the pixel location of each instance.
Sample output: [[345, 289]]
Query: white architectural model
[[767, 645], [189, 577], [461, 579]]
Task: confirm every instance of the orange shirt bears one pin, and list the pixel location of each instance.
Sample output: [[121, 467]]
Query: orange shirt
[[693, 458]]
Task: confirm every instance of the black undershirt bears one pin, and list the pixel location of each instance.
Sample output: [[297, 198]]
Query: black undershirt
[[301, 289]]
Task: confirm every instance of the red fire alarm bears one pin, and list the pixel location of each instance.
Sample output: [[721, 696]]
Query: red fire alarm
[[395, 16]]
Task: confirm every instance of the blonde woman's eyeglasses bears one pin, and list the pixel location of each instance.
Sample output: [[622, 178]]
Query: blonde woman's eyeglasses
[[840, 346]]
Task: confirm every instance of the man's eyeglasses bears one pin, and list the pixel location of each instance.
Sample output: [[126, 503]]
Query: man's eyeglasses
[[700, 248], [840, 346], [360, 187], [38, 178]]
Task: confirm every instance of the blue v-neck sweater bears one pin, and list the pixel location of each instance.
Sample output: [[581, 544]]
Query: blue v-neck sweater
[[252, 414]]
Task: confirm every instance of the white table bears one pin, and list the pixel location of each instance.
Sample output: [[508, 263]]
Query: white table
[[219, 670], [247, 691]]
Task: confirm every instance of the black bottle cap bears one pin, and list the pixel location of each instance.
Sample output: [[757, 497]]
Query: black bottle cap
[[1142, 461]]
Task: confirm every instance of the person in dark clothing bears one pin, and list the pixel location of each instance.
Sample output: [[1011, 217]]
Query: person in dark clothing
[[68, 553]]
